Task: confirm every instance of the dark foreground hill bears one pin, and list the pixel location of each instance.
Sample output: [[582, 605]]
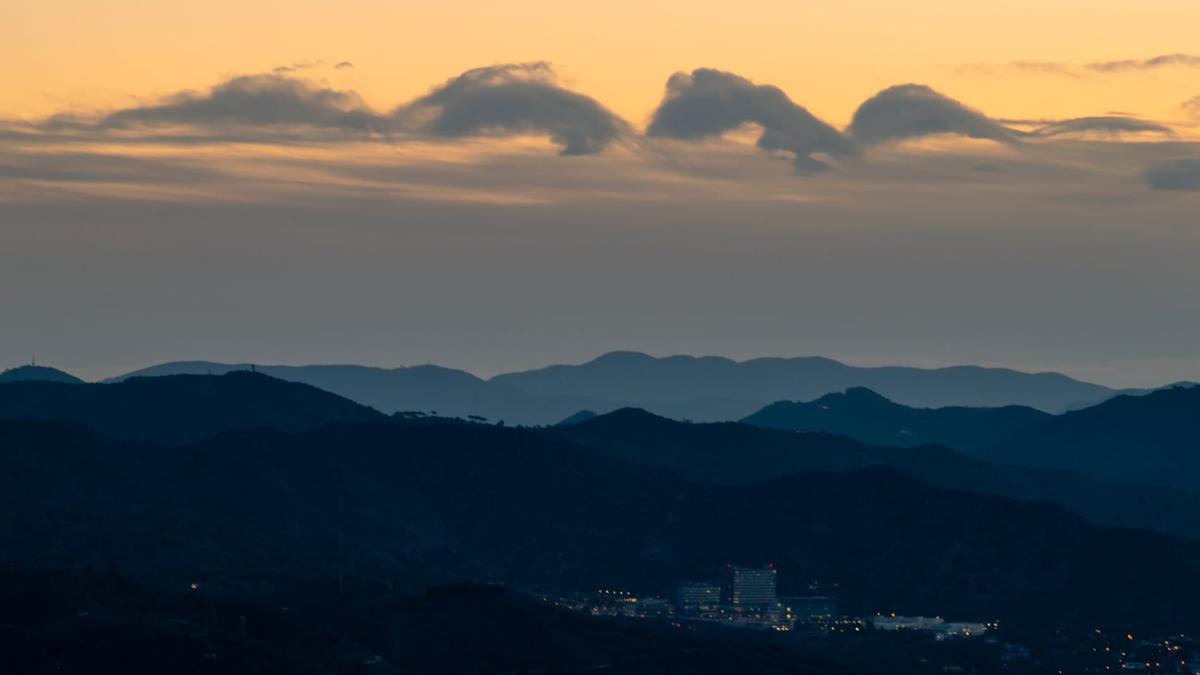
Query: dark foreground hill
[[1152, 439], [740, 453], [182, 407], [99, 623], [38, 374], [520, 507], [866, 416]]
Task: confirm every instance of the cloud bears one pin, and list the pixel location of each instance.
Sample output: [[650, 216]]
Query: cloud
[[281, 107], [1174, 175], [93, 167], [514, 99], [1109, 125], [496, 102], [1086, 69], [914, 110], [264, 100], [1192, 107], [707, 103], [1162, 61], [1048, 67], [301, 65], [342, 65]]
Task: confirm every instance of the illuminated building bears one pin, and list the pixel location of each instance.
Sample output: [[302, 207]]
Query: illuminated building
[[749, 589]]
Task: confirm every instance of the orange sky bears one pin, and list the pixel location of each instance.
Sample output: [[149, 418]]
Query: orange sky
[[60, 54], [325, 226]]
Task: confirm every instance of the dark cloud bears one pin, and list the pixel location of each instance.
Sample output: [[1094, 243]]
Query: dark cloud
[[1175, 174], [1109, 125], [914, 110], [251, 100], [276, 106], [708, 103], [280, 108], [514, 99], [1163, 61], [342, 65]]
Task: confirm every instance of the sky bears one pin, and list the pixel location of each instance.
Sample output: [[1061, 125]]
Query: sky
[[496, 186]]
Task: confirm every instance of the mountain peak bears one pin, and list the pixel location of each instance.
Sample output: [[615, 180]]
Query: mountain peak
[[856, 395], [621, 357], [628, 417], [33, 373], [631, 413], [581, 416]]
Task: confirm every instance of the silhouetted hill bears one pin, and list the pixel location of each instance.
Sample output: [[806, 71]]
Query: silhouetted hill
[[868, 417], [37, 374], [740, 453], [180, 408], [648, 382], [520, 507], [1150, 439], [1131, 391]]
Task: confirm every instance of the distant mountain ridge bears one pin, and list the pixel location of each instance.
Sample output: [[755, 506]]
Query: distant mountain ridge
[[425, 388], [868, 417], [681, 378], [681, 387]]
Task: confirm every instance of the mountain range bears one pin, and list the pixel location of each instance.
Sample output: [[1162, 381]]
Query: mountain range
[[680, 387], [677, 379], [732, 453], [246, 482], [521, 507], [1137, 438]]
